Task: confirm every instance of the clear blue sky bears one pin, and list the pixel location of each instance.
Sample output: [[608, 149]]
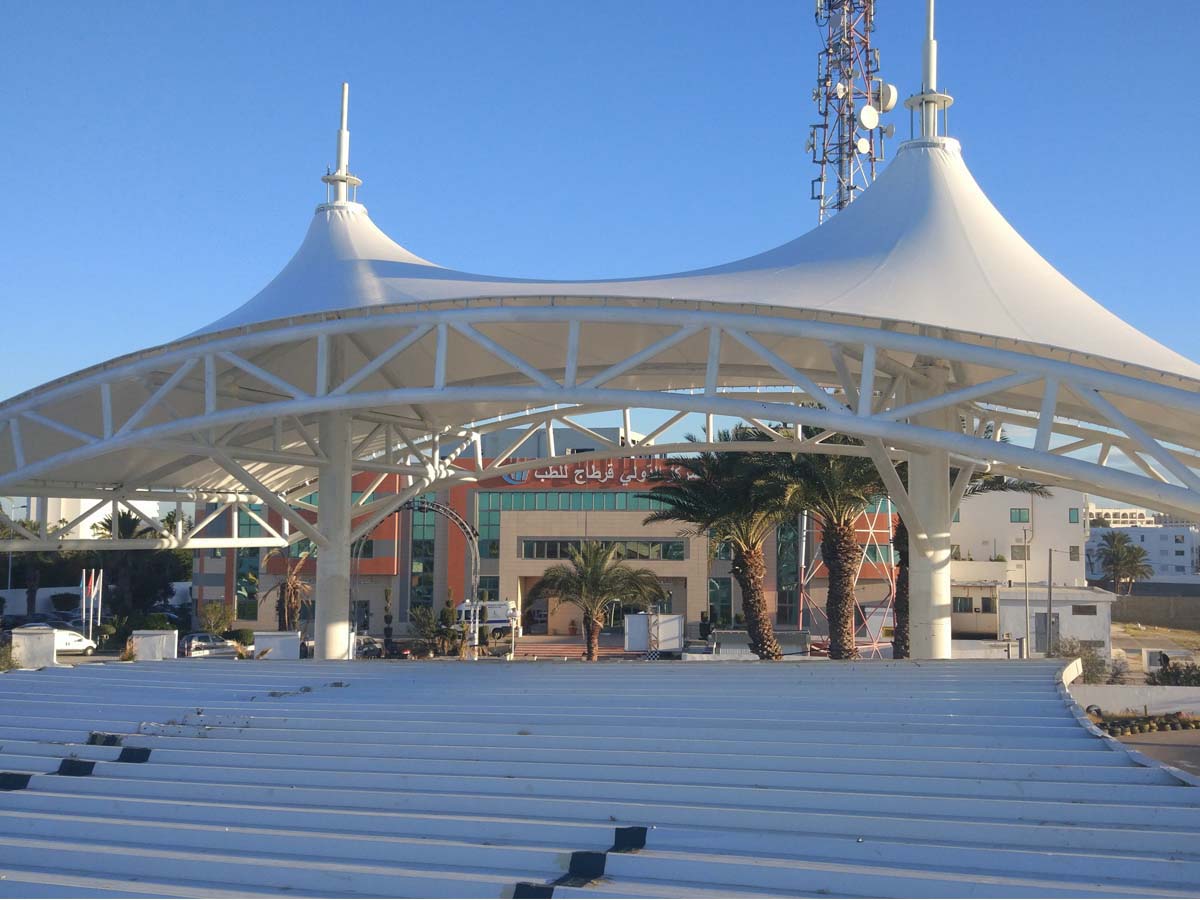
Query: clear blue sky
[[163, 158]]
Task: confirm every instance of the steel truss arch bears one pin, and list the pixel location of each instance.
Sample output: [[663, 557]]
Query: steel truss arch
[[234, 415]]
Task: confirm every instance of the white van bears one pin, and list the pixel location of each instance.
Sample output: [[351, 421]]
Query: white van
[[498, 615]]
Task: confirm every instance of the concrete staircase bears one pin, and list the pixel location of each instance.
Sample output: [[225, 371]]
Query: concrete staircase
[[558, 647], [447, 779]]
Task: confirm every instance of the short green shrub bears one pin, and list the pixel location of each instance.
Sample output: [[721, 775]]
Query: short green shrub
[[6, 658], [1095, 669], [1176, 674], [240, 635]]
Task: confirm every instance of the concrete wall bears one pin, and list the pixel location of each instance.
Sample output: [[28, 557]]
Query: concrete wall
[[1165, 612], [1114, 698]]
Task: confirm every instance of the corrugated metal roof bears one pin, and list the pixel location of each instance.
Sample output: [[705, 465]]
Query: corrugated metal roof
[[207, 777]]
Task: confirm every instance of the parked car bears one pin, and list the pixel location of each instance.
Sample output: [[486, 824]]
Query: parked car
[[66, 640], [202, 643], [367, 647], [49, 623]]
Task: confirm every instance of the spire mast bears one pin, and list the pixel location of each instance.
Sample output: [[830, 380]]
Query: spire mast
[[930, 100], [341, 179]]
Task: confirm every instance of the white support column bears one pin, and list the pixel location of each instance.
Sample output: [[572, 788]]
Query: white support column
[[331, 596], [930, 602]]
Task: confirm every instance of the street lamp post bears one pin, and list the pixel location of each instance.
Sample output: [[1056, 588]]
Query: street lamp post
[[12, 508], [1049, 590], [1028, 626]]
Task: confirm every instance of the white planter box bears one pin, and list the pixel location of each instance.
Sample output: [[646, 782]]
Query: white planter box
[[670, 632], [33, 648], [155, 645], [280, 644]]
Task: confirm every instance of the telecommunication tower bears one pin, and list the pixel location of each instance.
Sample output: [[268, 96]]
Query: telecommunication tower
[[850, 96]]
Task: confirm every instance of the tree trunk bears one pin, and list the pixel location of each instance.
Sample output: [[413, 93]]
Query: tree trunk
[[592, 623], [841, 554], [124, 586], [33, 580], [281, 607], [900, 645], [750, 571]]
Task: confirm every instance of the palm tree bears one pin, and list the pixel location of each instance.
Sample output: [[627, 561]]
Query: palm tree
[[727, 497], [1123, 561], [594, 578], [129, 526], [980, 484], [291, 592], [836, 490], [1137, 567]]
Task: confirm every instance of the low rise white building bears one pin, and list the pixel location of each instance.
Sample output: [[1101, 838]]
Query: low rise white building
[[1008, 527], [1002, 546]]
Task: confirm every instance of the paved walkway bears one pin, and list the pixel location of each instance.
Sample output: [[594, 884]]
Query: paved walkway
[[1175, 748], [1132, 642]]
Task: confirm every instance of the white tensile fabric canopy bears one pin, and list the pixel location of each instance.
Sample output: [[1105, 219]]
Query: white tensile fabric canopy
[[922, 248]]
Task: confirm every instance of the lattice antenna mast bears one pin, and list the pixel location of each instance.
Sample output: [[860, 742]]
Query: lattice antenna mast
[[848, 142]]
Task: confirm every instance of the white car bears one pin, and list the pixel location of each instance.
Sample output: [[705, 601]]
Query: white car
[[66, 641], [72, 642]]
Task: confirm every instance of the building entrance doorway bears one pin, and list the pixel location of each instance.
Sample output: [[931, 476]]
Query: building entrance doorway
[[1039, 632]]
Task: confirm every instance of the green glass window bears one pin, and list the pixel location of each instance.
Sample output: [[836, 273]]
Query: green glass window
[[720, 601]]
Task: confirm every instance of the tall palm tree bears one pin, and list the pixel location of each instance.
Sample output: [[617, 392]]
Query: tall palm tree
[[291, 592], [594, 578], [128, 526], [1137, 567], [726, 496], [980, 484], [836, 490]]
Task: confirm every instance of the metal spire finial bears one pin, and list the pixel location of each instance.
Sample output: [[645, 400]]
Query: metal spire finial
[[930, 100], [341, 177]]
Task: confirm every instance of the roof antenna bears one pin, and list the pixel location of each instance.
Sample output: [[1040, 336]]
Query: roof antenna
[[341, 178], [929, 101]]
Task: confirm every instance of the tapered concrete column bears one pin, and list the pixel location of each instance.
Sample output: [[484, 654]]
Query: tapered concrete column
[[930, 602], [332, 592]]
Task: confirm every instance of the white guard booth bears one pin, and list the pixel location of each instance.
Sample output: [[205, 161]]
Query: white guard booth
[[33, 648], [155, 645], [668, 628], [277, 644]]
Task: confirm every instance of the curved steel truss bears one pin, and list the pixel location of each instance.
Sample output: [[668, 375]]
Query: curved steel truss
[[233, 418]]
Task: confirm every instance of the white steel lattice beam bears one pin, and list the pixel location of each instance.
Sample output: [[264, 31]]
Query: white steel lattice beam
[[1152, 418]]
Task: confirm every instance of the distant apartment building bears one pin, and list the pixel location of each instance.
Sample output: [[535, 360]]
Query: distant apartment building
[[1172, 551], [1121, 516]]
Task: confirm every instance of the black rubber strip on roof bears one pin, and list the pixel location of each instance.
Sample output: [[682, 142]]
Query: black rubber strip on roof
[[530, 889], [586, 865], [134, 754], [76, 767], [628, 838], [14, 781]]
